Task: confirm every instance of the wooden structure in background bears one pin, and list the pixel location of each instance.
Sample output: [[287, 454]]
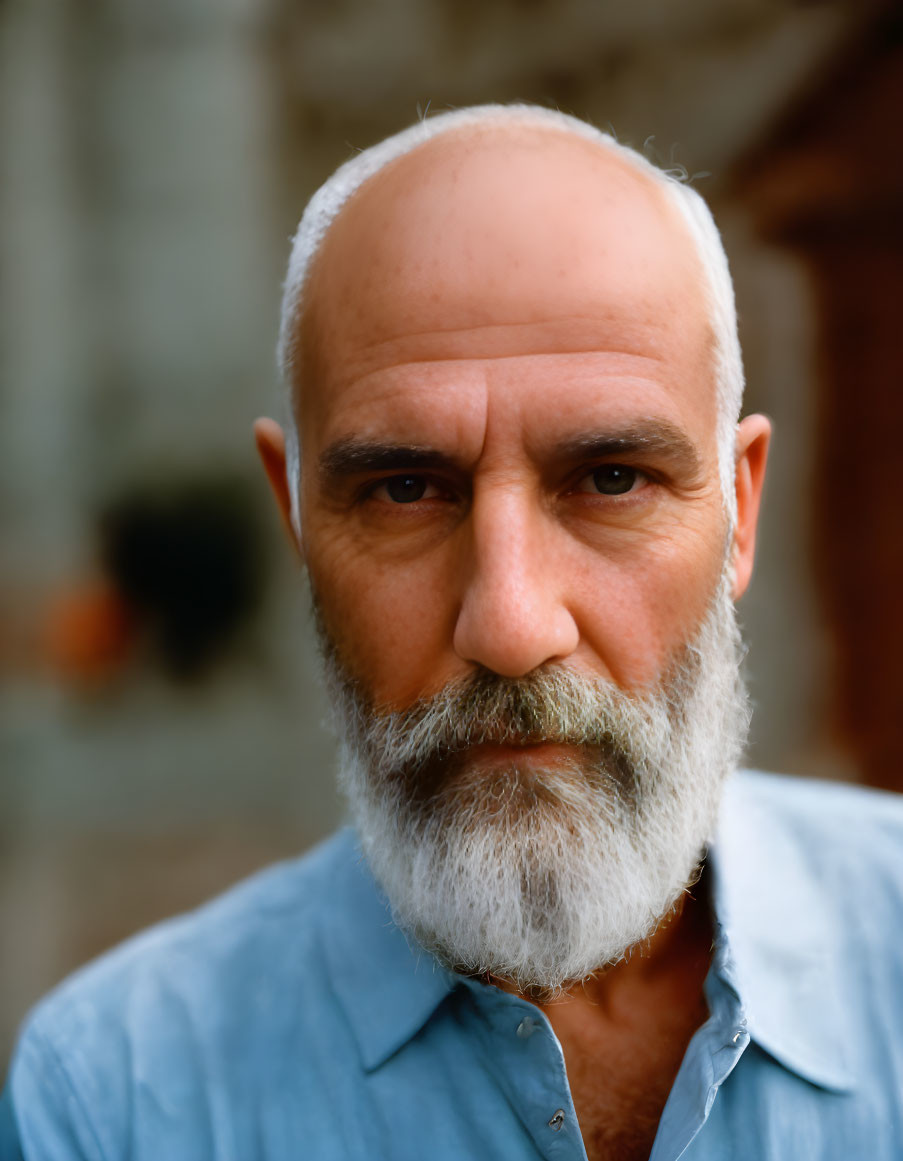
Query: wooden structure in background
[[828, 183]]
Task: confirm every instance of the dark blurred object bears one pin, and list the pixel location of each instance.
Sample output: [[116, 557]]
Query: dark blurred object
[[828, 183], [187, 559]]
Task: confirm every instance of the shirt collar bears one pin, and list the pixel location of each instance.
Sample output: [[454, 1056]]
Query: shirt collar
[[776, 946], [777, 938], [387, 984]]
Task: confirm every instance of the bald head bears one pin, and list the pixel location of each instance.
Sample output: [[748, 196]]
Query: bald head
[[504, 228], [504, 219]]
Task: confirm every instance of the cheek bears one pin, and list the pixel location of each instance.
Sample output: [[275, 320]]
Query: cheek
[[392, 625], [638, 609]]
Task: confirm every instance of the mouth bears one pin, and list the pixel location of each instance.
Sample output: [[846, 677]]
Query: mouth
[[520, 755], [503, 768], [526, 772]]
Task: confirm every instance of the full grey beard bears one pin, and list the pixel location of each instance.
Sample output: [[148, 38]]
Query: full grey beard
[[543, 877]]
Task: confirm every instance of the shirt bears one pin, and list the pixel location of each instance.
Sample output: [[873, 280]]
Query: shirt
[[291, 1019]]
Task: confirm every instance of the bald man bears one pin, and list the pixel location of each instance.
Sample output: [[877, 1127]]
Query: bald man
[[562, 925]]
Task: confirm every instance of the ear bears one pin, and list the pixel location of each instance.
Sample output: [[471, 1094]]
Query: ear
[[270, 440], [753, 437]]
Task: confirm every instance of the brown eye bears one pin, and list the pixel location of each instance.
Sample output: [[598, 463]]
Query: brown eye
[[404, 489], [614, 479]]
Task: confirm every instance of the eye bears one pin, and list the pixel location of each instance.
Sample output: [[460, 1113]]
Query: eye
[[405, 489], [613, 480]]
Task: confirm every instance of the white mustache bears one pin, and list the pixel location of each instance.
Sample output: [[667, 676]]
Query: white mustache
[[555, 705]]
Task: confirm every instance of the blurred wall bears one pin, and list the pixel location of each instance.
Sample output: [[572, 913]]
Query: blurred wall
[[155, 161]]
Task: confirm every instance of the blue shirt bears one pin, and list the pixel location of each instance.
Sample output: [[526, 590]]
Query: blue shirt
[[290, 1019]]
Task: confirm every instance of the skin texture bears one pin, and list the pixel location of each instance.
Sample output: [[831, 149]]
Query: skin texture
[[501, 323]]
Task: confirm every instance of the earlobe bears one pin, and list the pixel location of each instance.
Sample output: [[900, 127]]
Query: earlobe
[[753, 437], [270, 440]]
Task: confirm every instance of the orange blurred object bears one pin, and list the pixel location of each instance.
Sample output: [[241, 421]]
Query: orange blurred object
[[90, 632]]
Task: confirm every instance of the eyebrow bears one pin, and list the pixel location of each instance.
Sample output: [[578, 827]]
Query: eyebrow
[[654, 438], [350, 456]]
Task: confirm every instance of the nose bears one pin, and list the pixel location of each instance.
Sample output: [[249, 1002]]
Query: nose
[[513, 615]]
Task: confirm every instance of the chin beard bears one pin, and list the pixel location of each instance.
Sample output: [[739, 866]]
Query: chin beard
[[540, 876]]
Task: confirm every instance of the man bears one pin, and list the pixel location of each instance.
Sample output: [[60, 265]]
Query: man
[[515, 474]]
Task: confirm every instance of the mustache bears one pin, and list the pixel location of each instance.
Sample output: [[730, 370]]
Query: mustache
[[554, 705]]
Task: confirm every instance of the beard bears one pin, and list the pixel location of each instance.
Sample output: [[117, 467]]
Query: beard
[[541, 873]]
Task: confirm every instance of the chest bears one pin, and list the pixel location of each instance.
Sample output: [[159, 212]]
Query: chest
[[618, 1109]]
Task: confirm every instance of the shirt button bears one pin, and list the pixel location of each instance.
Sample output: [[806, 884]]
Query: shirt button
[[557, 1120], [526, 1028]]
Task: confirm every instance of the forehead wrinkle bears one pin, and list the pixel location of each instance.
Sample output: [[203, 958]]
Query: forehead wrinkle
[[387, 360], [376, 398], [496, 349]]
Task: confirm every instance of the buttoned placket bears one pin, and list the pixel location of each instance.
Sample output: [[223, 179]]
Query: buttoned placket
[[528, 1063], [712, 1055]]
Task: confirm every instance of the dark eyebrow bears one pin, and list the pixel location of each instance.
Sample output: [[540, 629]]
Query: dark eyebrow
[[351, 456], [348, 457], [657, 438]]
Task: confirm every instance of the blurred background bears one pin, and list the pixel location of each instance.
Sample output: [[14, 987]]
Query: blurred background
[[160, 729]]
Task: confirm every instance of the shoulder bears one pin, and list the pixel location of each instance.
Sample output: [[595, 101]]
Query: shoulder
[[847, 841], [809, 879], [274, 914], [160, 1017], [852, 817]]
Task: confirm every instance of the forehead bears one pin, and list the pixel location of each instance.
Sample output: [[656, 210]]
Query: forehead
[[501, 242]]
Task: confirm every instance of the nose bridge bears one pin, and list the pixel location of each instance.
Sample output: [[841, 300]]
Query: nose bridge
[[513, 615]]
